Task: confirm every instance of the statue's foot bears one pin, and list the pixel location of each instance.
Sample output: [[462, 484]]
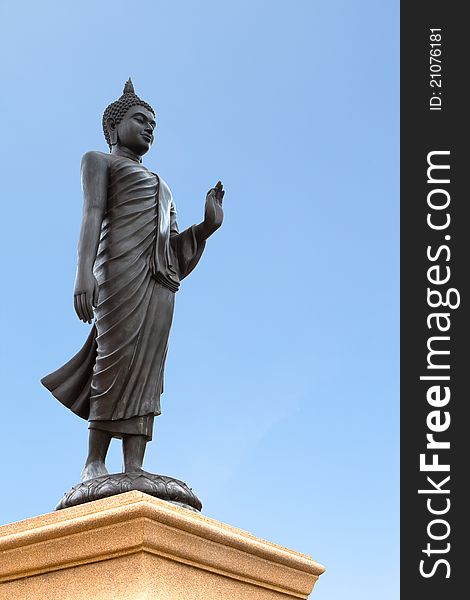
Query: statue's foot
[[94, 469], [133, 469]]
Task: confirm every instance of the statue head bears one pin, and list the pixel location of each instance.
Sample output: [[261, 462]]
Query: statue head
[[129, 121]]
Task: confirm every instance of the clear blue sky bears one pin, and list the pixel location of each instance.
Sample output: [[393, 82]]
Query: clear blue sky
[[281, 400]]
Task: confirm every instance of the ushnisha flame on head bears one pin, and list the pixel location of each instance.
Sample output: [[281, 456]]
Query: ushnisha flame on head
[[116, 110]]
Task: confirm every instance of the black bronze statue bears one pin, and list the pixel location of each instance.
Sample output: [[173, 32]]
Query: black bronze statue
[[131, 259]]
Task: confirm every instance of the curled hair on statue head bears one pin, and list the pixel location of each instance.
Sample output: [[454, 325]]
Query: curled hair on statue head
[[116, 110]]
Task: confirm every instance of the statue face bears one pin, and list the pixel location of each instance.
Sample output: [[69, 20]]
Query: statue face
[[135, 131]]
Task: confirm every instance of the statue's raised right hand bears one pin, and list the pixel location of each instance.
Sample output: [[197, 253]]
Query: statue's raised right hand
[[85, 296]]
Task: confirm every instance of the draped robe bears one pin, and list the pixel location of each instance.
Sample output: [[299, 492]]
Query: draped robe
[[116, 379]]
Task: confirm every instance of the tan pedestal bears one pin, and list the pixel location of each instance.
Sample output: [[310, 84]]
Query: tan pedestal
[[135, 547]]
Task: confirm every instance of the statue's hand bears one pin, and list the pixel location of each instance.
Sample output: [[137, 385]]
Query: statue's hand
[[85, 296], [214, 214]]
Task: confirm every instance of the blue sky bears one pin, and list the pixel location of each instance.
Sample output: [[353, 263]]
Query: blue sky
[[281, 399]]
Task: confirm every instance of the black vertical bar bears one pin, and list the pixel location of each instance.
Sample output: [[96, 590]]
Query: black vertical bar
[[434, 119]]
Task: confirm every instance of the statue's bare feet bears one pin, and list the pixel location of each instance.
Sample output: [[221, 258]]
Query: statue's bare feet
[[133, 469], [94, 469]]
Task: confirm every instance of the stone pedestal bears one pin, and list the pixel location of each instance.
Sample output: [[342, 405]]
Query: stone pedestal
[[136, 547]]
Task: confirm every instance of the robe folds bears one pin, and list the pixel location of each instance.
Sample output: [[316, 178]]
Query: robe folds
[[116, 379]]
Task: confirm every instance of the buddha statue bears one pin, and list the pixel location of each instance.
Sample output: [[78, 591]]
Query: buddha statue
[[131, 260]]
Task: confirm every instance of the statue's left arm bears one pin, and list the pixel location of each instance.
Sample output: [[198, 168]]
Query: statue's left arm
[[213, 213], [188, 245]]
